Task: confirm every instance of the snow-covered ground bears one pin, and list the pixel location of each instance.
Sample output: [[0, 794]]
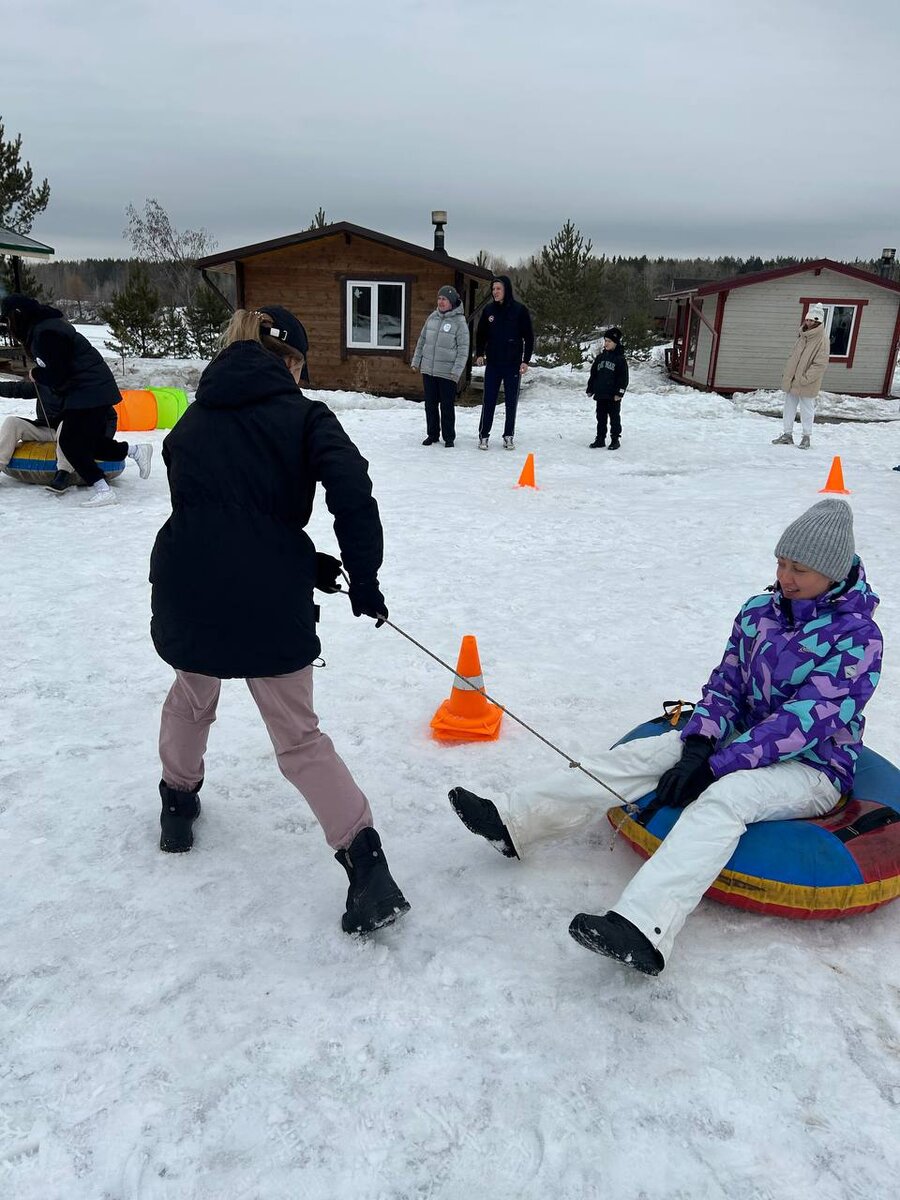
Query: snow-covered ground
[[197, 1027]]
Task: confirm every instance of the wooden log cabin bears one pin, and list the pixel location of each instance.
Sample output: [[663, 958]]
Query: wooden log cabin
[[363, 297]]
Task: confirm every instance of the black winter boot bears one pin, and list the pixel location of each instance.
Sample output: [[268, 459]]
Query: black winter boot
[[373, 898], [617, 938], [597, 443], [480, 816], [60, 481], [614, 444], [179, 812]]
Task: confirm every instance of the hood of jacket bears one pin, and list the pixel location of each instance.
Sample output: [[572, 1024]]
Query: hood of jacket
[[852, 595], [243, 374], [812, 334], [23, 313], [509, 296]]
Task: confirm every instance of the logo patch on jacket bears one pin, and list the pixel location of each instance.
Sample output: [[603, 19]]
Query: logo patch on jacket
[[447, 327], [491, 319]]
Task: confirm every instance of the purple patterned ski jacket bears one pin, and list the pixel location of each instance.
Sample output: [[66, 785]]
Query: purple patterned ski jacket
[[793, 683]]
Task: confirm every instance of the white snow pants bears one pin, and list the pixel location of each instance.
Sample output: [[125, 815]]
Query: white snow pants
[[18, 429], [807, 407], [669, 886]]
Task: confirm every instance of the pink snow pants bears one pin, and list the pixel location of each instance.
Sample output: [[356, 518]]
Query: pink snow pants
[[305, 755]]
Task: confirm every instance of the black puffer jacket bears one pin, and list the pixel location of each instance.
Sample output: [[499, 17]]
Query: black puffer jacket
[[232, 570], [49, 407], [66, 361], [504, 335]]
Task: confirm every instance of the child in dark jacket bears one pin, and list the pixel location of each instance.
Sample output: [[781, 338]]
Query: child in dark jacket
[[607, 383]]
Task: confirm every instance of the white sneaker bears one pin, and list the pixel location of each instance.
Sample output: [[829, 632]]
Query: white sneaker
[[142, 453], [482, 443], [804, 442], [508, 443], [99, 499]]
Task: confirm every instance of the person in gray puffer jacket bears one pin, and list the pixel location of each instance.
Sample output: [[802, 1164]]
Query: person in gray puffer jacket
[[441, 354]]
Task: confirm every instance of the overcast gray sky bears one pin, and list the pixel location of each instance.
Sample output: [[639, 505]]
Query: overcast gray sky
[[683, 127]]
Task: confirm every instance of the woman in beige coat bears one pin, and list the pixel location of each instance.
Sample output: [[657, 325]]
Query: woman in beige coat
[[803, 376]]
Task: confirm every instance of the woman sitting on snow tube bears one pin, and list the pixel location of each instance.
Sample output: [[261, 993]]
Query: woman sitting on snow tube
[[775, 736]]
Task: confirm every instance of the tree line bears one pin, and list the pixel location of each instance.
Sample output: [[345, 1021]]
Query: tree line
[[156, 302], [574, 293]]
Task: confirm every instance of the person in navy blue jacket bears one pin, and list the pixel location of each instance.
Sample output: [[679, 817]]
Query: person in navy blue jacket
[[607, 383], [504, 341]]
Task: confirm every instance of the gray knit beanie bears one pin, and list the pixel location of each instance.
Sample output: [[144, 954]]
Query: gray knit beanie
[[822, 538], [449, 293]]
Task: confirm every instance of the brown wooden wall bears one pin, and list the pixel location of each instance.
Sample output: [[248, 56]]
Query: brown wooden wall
[[309, 280]]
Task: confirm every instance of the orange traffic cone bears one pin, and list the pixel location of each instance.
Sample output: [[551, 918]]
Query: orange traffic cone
[[467, 716], [835, 480], [526, 479]]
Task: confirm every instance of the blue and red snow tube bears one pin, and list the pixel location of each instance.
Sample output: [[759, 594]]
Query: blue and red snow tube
[[844, 863]]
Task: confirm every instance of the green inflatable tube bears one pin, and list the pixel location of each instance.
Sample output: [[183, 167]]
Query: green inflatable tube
[[171, 404]]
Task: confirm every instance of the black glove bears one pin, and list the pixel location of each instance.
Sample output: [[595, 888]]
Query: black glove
[[366, 600], [682, 784], [327, 570]]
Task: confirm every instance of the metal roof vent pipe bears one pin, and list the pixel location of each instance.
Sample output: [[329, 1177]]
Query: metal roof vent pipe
[[439, 220]]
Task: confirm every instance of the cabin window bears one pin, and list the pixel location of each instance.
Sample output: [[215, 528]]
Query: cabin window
[[839, 322], [376, 315], [842, 319]]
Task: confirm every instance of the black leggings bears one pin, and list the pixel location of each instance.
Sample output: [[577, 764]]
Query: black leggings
[[83, 439]]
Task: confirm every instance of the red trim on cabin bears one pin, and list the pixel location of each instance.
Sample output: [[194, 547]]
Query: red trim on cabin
[[816, 267], [717, 333], [892, 356], [847, 359]]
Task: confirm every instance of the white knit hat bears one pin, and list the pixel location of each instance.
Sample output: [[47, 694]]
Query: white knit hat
[[816, 312]]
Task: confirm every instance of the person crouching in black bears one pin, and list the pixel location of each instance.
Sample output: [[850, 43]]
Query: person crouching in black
[[75, 371], [607, 383], [232, 574], [43, 427]]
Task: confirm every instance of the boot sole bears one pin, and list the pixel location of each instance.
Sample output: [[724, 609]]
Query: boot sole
[[399, 906], [505, 848], [591, 942]]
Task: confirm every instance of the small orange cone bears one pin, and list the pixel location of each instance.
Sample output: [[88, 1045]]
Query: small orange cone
[[835, 481], [526, 479], [467, 716]]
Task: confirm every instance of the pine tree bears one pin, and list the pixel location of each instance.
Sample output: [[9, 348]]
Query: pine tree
[[134, 317], [20, 203], [319, 220], [205, 316], [173, 337], [563, 295], [628, 303]]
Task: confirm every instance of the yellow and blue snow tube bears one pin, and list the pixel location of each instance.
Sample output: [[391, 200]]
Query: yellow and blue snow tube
[[35, 462]]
